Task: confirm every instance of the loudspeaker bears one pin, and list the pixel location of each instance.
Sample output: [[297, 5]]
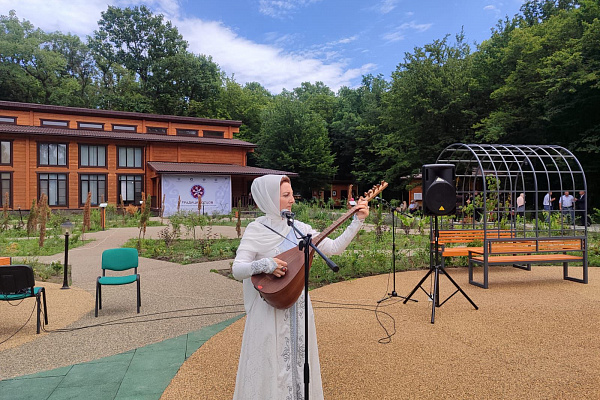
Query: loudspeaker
[[439, 192]]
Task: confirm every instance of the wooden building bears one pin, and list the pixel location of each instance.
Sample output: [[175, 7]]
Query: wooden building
[[67, 152]]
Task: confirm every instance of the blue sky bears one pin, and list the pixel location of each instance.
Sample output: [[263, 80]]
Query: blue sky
[[282, 43]]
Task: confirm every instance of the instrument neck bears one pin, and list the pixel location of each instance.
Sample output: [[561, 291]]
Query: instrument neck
[[327, 231]]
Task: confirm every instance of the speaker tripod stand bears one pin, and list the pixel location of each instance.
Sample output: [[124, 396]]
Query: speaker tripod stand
[[436, 269], [393, 292]]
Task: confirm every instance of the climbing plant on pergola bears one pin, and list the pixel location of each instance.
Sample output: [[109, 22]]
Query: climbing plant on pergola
[[490, 177]]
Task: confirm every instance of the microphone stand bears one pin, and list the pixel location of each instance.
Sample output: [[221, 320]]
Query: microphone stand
[[393, 293], [305, 244]]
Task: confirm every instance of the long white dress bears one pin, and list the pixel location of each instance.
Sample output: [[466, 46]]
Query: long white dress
[[271, 362]]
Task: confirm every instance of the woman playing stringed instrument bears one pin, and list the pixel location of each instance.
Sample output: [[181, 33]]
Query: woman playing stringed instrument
[[272, 356]]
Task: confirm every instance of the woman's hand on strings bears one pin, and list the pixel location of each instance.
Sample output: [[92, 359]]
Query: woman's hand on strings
[[281, 268]]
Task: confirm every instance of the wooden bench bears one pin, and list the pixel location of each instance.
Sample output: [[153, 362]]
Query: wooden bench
[[527, 251], [466, 236]]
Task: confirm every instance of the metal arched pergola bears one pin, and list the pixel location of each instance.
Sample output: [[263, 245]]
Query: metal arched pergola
[[490, 177]]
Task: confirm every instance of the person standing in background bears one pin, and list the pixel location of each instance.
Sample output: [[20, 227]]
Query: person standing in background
[[521, 204], [548, 199], [566, 205], [581, 206]]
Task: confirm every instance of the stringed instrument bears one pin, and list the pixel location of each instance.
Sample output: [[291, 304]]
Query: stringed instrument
[[283, 292]]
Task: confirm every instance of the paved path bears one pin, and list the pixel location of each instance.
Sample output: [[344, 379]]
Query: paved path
[[176, 299], [140, 374]]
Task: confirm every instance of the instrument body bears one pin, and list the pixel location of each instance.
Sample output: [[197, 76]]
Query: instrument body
[[283, 292]]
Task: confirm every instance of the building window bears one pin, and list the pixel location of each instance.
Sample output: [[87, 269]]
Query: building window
[[154, 129], [94, 126], [130, 157], [187, 132], [92, 156], [130, 188], [5, 152], [124, 128], [54, 154], [8, 120], [54, 123], [55, 187], [94, 184], [213, 134], [5, 187]]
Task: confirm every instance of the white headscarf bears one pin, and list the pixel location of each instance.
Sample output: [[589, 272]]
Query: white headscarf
[[266, 194]]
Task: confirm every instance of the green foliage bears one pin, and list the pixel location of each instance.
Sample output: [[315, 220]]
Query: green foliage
[[186, 251], [294, 138], [367, 256]]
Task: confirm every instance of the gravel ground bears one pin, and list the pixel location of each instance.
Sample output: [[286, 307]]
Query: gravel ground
[[64, 308], [534, 336]]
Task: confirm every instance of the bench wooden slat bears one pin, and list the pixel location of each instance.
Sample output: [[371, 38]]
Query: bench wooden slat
[[528, 258], [459, 251], [460, 236]]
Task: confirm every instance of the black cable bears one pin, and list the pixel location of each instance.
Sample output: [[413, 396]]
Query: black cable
[[16, 305], [135, 318], [143, 318], [19, 330], [366, 307]]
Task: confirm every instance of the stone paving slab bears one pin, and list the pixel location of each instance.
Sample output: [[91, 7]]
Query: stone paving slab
[[142, 373]]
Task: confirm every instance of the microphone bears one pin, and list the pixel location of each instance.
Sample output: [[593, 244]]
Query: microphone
[[380, 199], [287, 214]]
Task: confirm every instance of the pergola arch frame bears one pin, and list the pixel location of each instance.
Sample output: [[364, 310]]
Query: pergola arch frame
[[531, 169]]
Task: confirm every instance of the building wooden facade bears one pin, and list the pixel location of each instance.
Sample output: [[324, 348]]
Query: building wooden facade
[[66, 152]]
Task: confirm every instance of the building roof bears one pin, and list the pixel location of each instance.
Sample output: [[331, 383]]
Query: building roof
[[13, 105], [217, 169], [144, 137]]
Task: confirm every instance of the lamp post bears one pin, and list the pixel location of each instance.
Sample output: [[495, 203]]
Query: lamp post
[[103, 215], [66, 227]]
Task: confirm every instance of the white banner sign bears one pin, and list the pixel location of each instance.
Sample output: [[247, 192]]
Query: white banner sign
[[215, 192]]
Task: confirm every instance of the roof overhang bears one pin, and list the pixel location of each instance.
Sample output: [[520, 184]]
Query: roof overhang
[[161, 167], [108, 135], [18, 106]]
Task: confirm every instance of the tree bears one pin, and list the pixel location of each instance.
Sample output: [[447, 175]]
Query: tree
[[187, 84], [30, 68], [294, 138], [134, 41], [427, 107], [244, 103], [318, 98], [80, 67]]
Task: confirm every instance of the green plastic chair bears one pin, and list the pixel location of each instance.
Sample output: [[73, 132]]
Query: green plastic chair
[[17, 282], [118, 260]]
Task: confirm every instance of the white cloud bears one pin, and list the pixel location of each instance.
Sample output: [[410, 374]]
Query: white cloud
[[386, 6], [399, 33], [345, 40], [79, 17], [271, 65], [282, 8]]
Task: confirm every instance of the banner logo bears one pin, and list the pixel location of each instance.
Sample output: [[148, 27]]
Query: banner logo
[[196, 191]]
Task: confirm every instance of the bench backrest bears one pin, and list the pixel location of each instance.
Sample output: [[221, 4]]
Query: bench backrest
[[546, 245], [471, 235]]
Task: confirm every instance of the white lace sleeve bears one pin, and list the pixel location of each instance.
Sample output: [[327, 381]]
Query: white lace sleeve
[[338, 245], [244, 265]]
